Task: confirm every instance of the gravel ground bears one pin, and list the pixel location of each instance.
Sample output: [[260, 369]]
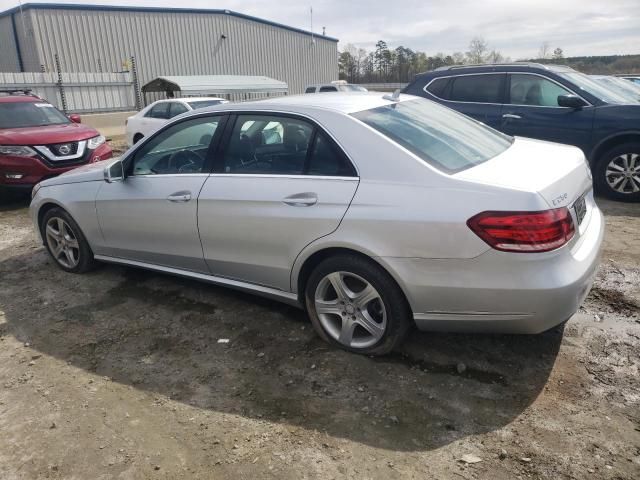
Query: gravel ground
[[119, 374]]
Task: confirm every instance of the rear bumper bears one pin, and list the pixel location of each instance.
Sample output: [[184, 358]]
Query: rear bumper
[[33, 170], [500, 292]]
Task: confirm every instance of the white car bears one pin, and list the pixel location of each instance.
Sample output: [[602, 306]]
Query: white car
[[335, 86], [152, 117]]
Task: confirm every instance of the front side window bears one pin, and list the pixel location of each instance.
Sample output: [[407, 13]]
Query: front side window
[[181, 148], [159, 110], [310, 90], [328, 89], [477, 88], [534, 90], [30, 114], [443, 138]]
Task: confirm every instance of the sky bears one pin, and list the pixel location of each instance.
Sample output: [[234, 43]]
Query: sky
[[516, 28]]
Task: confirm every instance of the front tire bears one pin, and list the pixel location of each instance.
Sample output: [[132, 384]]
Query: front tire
[[355, 305], [617, 173], [65, 242]]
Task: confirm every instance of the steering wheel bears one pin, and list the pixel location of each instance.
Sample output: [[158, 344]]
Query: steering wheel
[[184, 161]]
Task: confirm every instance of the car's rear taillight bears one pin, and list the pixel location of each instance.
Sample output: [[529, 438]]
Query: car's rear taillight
[[524, 231]]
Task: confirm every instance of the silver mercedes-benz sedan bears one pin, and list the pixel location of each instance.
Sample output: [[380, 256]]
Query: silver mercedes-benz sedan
[[373, 212]]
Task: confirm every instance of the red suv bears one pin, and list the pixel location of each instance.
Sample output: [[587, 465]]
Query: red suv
[[38, 141]]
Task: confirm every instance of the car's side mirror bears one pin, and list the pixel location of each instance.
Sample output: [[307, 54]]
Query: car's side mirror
[[571, 101], [75, 118], [114, 172]]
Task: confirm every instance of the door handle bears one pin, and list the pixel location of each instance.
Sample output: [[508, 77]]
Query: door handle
[[306, 199], [179, 197], [511, 115]]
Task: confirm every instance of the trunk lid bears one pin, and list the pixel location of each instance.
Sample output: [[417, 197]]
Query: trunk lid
[[559, 173]]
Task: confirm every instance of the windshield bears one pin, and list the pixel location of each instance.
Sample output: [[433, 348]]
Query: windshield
[[351, 88], [593, 87], [30, 114], [438, 135], [204, 103], [622, 87]]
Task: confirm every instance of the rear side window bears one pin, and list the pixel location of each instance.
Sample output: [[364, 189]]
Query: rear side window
[[310, 90], [328, 89], [477, 88], [438, 87], [326, 159], [443, 138]]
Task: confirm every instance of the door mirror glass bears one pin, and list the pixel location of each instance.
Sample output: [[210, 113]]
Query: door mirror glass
[[571, 101], [114, 172], [75, 118]]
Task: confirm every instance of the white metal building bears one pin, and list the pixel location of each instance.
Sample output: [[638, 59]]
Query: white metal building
[[164, 42]]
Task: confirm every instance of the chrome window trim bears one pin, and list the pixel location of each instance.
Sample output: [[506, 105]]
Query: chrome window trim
[[589, 104], [284, 175], [44, 150], [190, 116]]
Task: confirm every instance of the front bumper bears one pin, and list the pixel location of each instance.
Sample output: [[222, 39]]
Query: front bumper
[[34, 170], [499, 292]]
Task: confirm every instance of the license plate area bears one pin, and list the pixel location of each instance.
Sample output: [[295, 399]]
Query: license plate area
[[580, 209]]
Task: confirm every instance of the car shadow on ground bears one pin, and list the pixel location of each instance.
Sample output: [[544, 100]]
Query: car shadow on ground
[[160, 334]]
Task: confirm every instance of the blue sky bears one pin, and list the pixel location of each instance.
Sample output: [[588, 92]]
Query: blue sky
[[515, 27]]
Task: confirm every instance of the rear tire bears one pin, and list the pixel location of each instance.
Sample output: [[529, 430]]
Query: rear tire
[[369, 316], [137, 137], [617, 173], [65, 242]]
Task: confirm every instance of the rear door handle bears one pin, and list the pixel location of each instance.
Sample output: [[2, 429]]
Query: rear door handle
[[306, 199], [511, 115], [179, 197]]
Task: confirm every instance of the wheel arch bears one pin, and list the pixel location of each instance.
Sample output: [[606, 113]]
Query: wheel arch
[[610, 142], [307, 261], [46, 207]]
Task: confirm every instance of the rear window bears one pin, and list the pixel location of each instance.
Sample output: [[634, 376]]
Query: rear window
[[477, 88], [30, 114], [445, 139], [204, 103]]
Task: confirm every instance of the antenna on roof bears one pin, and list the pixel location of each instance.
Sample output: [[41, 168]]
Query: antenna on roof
[[394, 97]]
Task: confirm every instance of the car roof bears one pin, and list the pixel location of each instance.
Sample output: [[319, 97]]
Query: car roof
[[497, 67], [341, 102], [20, 98], [188, 99]]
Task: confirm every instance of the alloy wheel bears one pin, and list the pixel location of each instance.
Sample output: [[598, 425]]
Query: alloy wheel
[[350, 310], [623, 173], [62, 242]]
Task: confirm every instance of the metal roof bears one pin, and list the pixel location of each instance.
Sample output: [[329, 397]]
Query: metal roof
[[216, 84], [71, 6]]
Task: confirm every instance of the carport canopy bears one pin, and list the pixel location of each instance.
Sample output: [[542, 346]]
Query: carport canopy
[[203, 85]]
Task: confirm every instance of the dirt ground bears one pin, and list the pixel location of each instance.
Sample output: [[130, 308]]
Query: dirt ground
[[118, 374]]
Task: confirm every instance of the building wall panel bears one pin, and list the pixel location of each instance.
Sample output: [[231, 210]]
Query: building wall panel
[[182, 43]]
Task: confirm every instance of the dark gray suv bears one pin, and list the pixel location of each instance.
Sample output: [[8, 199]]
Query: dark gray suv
[[549, 102]]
